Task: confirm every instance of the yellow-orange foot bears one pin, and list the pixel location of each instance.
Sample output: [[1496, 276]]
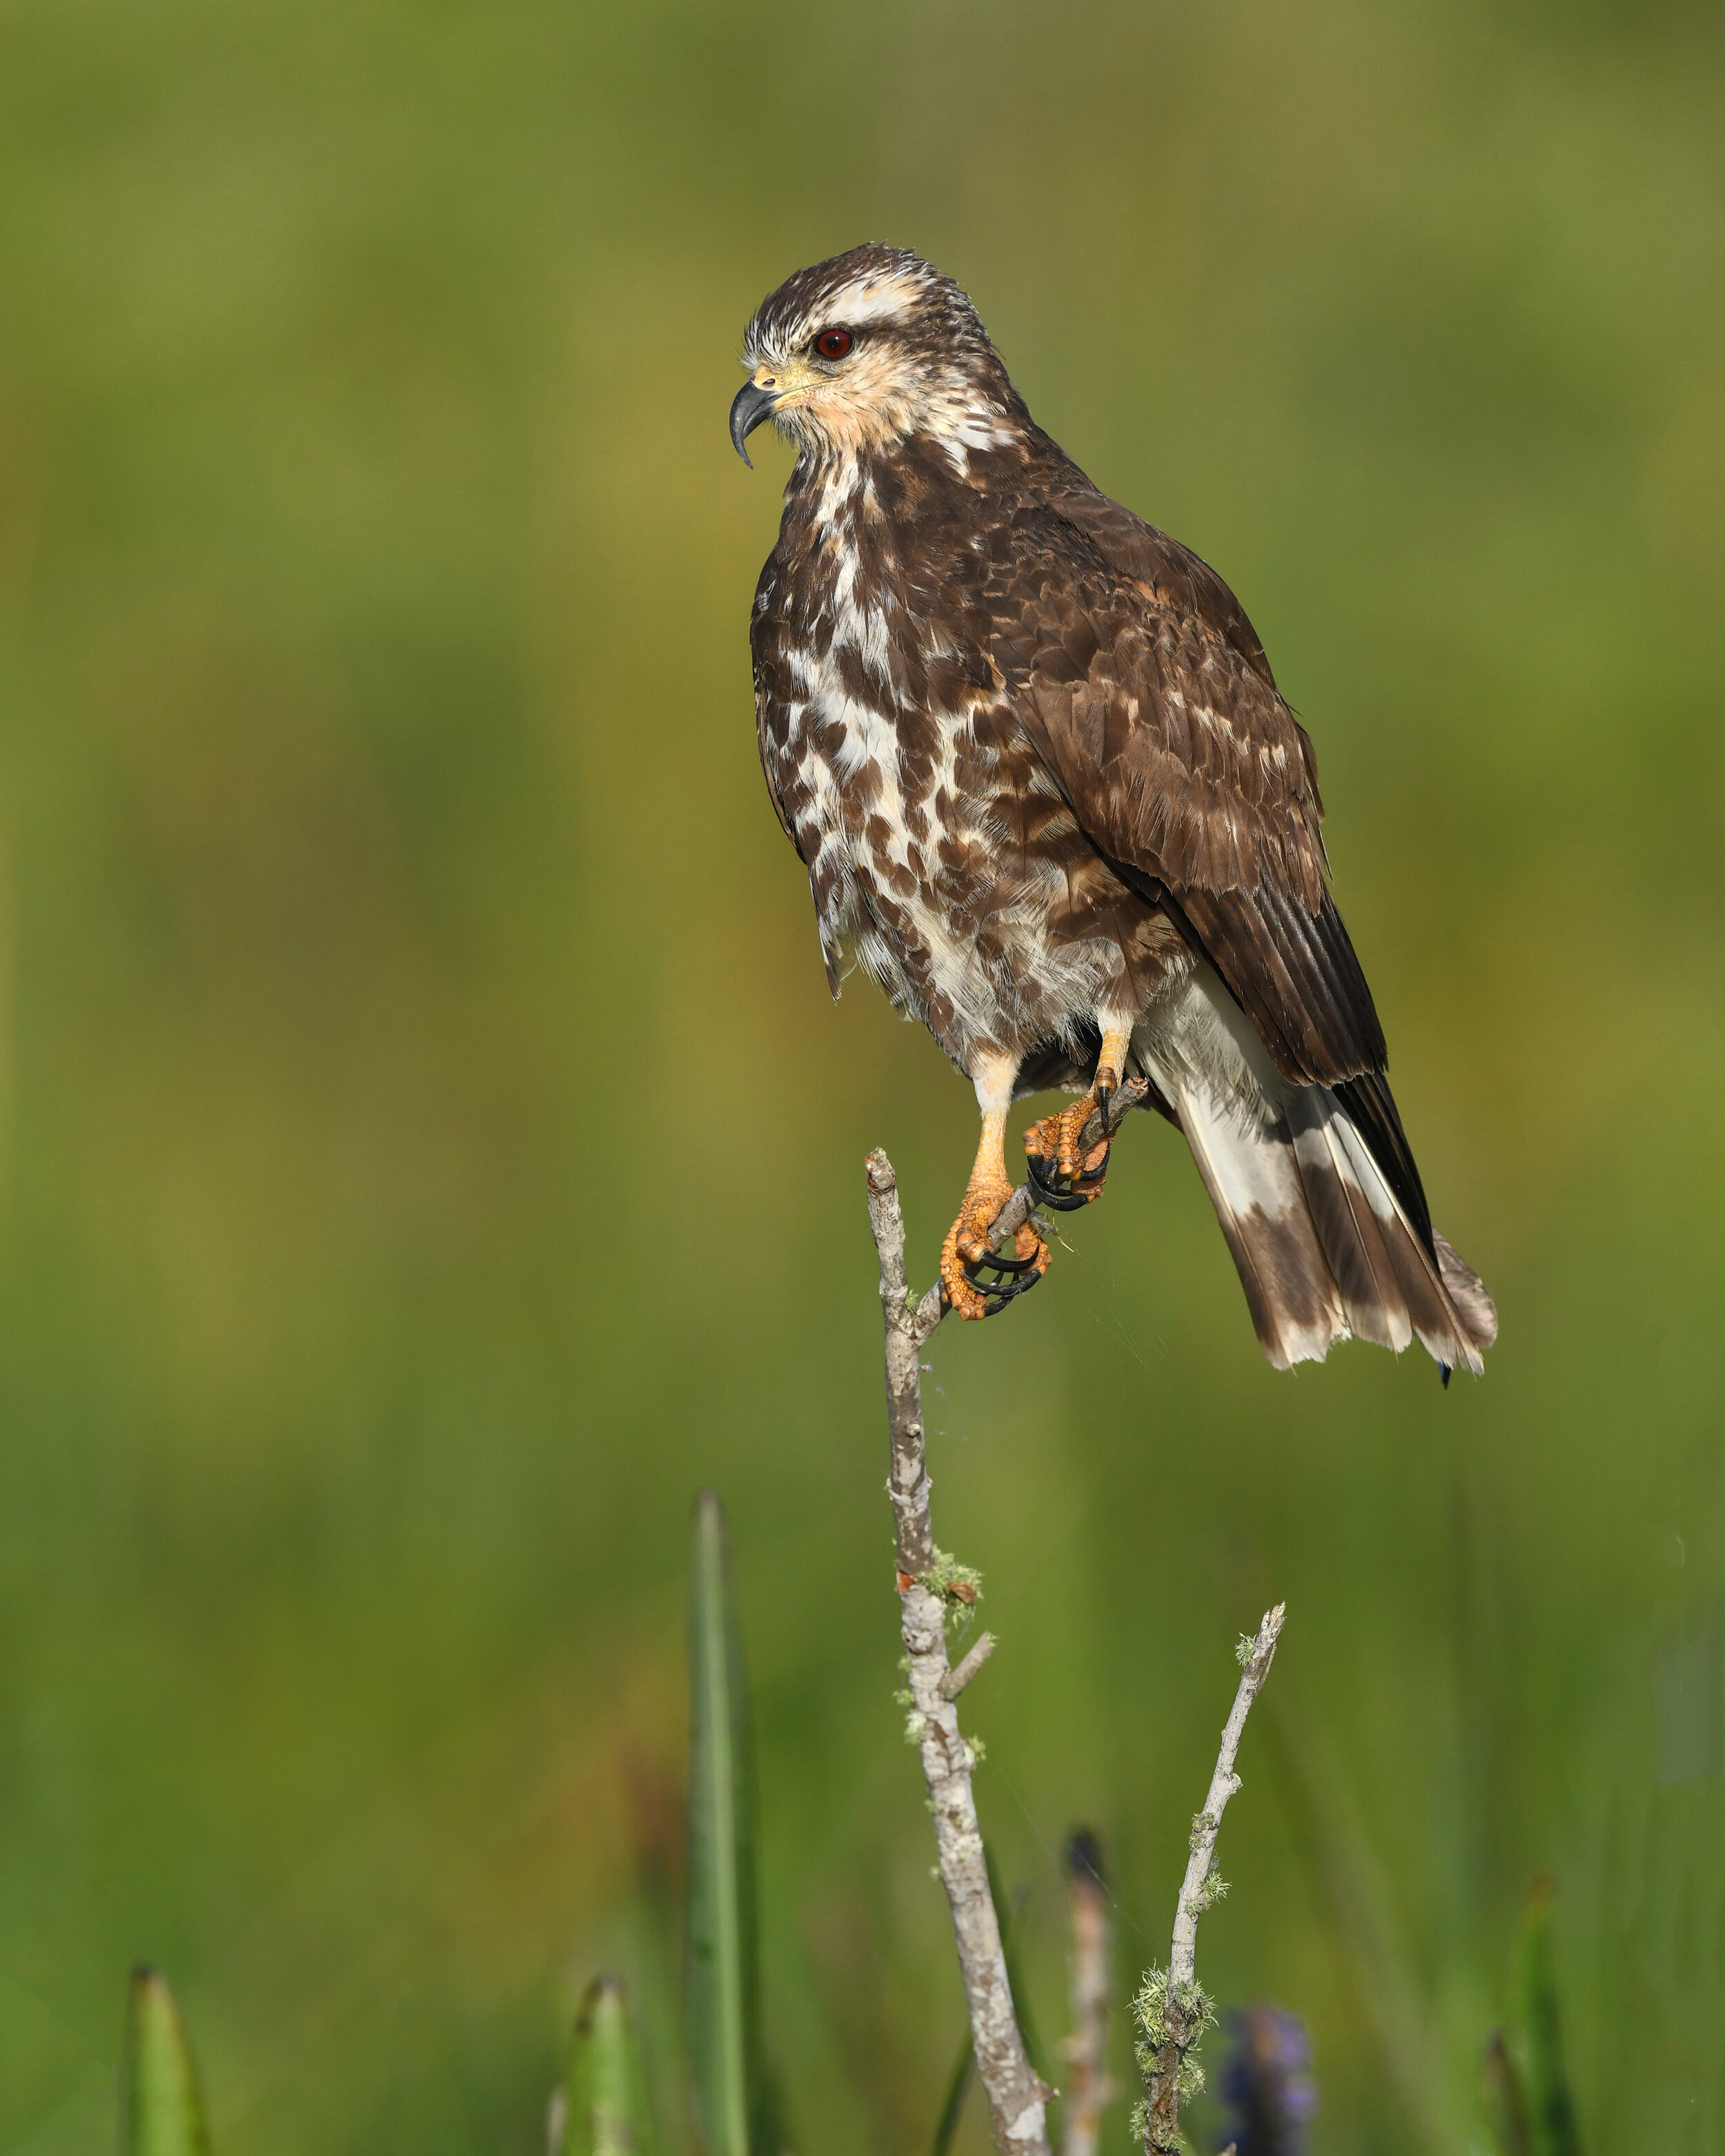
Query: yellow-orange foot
[[1061, 1174], [976, 1281]]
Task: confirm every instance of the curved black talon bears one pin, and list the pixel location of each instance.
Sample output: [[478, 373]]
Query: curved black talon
[[1017, 1277], [1014, 1277], [1000, 1293], [1062, 1195], [1057, 1196]]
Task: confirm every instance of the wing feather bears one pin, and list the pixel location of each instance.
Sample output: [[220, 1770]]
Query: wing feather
[[1146, 691]]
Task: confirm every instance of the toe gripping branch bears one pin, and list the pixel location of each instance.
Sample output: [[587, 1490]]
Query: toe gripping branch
[[1063, 1194], [1002, 1276], [1057, 1149], [1000, 1279]]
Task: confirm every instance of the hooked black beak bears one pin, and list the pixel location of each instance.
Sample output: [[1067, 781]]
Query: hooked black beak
[[749, 407]]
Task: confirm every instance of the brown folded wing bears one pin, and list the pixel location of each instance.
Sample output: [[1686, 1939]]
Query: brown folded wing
[[1144, 689]]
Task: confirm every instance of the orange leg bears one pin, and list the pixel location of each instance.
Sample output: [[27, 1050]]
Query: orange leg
[[966, 1254], [1062, 1174]]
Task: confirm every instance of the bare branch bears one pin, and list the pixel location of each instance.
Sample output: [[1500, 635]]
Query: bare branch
[[1088, 2087], [1016, 2094], [909, 1484], [954, 1681], [1172, 2012]]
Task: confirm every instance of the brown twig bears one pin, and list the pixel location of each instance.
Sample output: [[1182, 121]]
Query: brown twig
[[1088, 2087], [1176, 2003]]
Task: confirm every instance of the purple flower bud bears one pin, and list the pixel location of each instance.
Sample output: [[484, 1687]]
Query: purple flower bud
[[1265, 2083]]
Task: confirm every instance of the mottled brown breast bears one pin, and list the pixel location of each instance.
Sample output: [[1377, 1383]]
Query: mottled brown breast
[[941, 847]]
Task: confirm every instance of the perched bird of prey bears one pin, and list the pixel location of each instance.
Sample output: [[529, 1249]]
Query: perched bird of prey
[[1034, 758]]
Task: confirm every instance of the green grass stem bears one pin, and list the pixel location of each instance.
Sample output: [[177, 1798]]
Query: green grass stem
[[162, 2111], [600, 2108], [723, 2037]]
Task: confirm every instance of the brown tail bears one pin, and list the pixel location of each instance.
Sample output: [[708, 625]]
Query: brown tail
[[1324, 1248]]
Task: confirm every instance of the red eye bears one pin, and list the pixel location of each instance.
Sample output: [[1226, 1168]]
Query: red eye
[[833, 344]]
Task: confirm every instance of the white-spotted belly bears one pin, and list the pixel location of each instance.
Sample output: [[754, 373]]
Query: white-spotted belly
[[913, 875]]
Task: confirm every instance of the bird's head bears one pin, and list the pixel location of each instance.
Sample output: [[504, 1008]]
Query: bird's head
[[856, 353]]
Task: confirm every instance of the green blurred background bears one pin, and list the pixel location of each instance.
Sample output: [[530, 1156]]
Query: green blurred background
[[430, 1151]]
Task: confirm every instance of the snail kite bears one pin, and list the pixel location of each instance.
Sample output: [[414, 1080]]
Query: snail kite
[[1031, 752]]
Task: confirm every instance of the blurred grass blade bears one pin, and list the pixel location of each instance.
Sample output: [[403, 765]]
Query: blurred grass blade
[[1345, 1867], [723, 2042], [162, 2110], [1551, 2105], [958, 2089], [1505, 2099], [601, 2108]]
